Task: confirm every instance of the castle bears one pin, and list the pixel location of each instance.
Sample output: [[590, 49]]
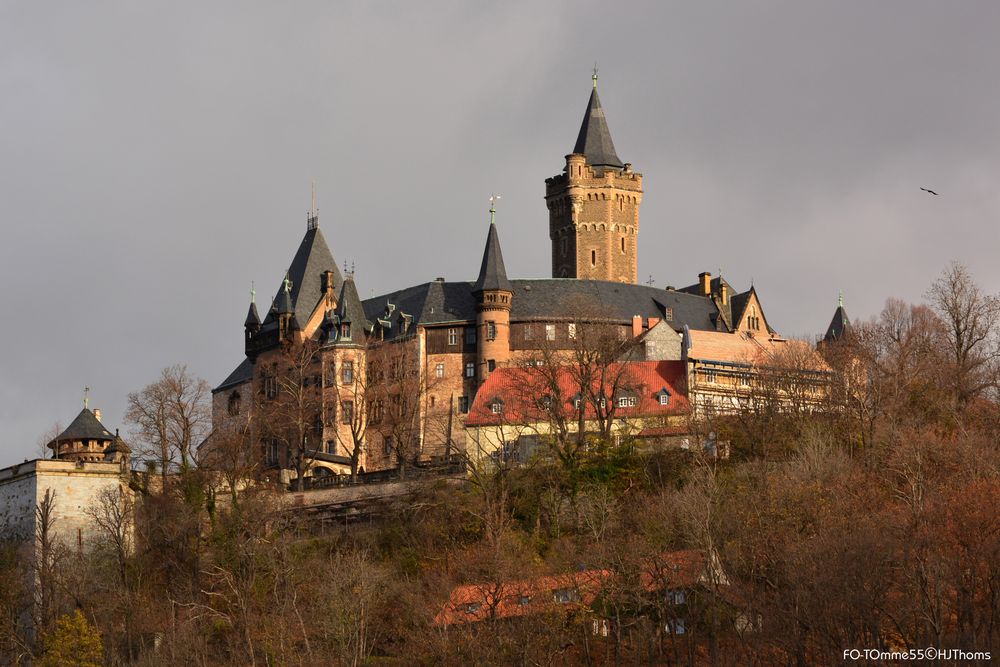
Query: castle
[[454, 335]]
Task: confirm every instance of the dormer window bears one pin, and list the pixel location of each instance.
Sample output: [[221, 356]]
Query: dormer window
[[345, 331], [626, 401], [663, 397], [496, 406]]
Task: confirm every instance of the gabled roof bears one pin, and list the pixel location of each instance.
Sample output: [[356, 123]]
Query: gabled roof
[[748, 350], [839, 325], [311, 260], [84, 427], [520, 390], [492, 273], [594, 139]]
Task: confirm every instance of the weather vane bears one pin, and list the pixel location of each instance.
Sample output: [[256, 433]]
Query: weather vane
[[253, 293], [594, 76], [494, 198], [86, 397]]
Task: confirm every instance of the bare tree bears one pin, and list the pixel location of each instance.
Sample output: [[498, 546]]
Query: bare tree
[[291, 411], [49, 554], [972, 323], [170, 417], [114, 516]]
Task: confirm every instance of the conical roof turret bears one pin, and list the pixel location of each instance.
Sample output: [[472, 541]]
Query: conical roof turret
[[492, 272], [594, 140]]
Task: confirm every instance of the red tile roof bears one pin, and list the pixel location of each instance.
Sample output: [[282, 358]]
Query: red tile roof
[[520, 392], [471, 603]]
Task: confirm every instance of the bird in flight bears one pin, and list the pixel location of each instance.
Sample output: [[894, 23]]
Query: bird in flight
[[930, 191]]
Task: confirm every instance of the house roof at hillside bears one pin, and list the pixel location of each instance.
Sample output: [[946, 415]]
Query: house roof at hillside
[[745, 349]]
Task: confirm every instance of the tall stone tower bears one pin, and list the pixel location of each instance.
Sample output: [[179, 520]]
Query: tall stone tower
[[493, 293], [594, 207]]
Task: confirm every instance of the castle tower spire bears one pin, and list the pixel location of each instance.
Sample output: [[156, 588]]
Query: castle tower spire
[[594, 206], [493, 293]]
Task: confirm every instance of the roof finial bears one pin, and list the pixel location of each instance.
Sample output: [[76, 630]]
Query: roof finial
[[840, 299], [253, 293], [594, 75], [494, 198], [312, 218], [287, 283], [86, 398]]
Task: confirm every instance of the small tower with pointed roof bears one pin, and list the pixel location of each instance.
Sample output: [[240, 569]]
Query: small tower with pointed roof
[[594, 206], [840, 325], [493, 294], [86, 439], [252, 324]]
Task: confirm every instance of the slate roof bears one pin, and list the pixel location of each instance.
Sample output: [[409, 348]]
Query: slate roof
[[594, 139], [84, 427], [306, 273], [492, 273], [349, 309], [242, 373], [839, 325], [253, 319], [550, 299]]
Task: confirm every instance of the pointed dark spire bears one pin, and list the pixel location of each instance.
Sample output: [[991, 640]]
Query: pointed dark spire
[[492, 273], [594, 139], [283, 305], [840, 324], [349, 309]]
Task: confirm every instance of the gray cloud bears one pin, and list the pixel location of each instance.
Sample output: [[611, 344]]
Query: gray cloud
[[155, 158]]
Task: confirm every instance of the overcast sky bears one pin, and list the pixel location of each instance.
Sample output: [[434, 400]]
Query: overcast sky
[[155, 157]]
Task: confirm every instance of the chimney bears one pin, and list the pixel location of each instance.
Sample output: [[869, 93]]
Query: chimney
[[97, 413], [636, 325], [328, 285], [652, 322], [705, 283], [723, 292]]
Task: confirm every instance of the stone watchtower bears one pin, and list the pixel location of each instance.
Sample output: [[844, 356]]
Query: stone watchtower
[[594, 207], [493, 293]]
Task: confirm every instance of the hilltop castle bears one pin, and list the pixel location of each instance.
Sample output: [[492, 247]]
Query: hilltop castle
[[458, 333]]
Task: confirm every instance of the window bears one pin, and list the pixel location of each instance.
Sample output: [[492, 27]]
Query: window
[[491, 365], [234, 403], [664, 397], [675, 626], [550, 332], [439, 370], [347, 412], [744, 379], [271, 449], [472, 608], [626, 401], [563, 246], [528, 333], [270, 386], [710, 376], [623, 244], [564, 595], [387, 445], [525, 599], [331, 374], [470, 336], [491, 331], [675, 597], [593, 258], [668, 314], [470, 369], [347, 372], [463, 404], [331, 446], [571, 330], [601, 627], [345, 331], [432, 401], [452, 336], [576, 403], [496, 407], [318, 425]]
